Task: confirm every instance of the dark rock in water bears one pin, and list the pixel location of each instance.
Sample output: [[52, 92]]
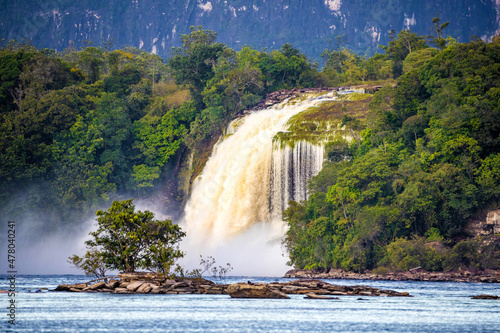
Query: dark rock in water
[[314, 296], [243, 290], [486, 297], [64, 287], [73, 290]]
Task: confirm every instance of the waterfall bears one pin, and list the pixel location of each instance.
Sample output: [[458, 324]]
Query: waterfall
[[291, 168], [249, 179]]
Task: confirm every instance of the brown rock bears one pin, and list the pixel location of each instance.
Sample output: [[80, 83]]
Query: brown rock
[[309, 284], [157, 290], [64, 287], [123, 284], [106, 290], [112, 284], [79, 285], [169, 282], [122, 291], [75, 290], [133, 286], [186, 290], [144, 288], [314, 296], [181, 284], [293, 289], [243, 290], [95, 286], [486, 297]]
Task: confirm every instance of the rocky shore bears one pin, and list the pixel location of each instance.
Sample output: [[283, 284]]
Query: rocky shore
[[416, 274], [151, 283]]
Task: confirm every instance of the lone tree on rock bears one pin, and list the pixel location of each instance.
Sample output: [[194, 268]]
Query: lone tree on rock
[[127, 239]]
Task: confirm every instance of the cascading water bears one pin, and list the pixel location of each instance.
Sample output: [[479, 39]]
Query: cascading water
[[236, 203], [291, 169]]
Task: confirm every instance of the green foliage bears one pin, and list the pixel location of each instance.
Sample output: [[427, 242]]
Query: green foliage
[[159, 139], [90, 61], [345, 67], [82, 140], [481, 253], [403, 255], [91, 263], [144, 175], [193, 62], [401, 46], [127, 239]]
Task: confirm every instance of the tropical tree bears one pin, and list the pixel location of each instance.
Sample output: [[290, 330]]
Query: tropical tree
[[129, 239]]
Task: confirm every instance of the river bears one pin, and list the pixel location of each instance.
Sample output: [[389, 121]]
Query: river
[[435, 307]]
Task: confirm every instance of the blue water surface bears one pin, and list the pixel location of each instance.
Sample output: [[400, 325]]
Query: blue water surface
[[435, 307]]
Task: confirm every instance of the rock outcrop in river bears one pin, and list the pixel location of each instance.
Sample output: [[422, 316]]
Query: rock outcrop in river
[[151, 283]]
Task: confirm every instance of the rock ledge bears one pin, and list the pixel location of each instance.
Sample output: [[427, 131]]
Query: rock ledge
[[141, 284]]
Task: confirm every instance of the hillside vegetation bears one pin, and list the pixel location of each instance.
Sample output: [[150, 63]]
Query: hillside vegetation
[[428, 161]]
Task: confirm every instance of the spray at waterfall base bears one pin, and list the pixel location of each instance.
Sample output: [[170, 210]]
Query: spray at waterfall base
[[235, 209]]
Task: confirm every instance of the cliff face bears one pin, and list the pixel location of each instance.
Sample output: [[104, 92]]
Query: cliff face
[[310, 25]]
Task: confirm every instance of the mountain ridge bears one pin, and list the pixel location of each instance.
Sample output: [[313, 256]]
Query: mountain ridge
[[311, 26]]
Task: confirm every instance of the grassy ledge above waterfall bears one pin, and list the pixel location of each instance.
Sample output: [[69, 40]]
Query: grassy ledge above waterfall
[[326, 122]]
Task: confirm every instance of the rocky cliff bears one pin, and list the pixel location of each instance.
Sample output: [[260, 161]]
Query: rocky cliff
[[311, 25]]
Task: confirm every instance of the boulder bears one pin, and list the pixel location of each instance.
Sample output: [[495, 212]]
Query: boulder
[[80, 285], [169, 283], [309, 284], [157, 290], [133, 286], [144, 288], [243, 290], [96, 286], [64, 287], [186, 290], [106, 290], [293, 289], [314, 296], [112, 284], [486, 297], [122, 291], [181, 284], [123, 284]]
